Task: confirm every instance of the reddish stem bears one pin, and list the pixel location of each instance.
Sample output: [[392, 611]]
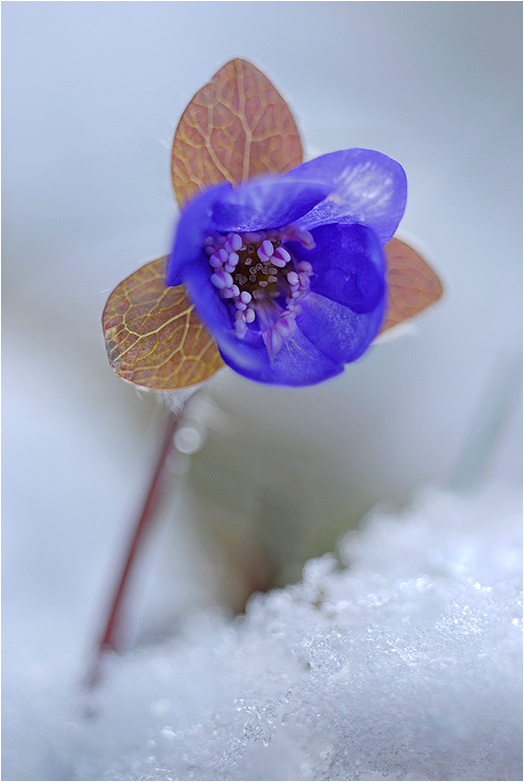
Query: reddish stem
[[109, 640]]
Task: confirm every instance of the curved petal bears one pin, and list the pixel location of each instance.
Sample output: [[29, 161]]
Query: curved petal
[[341, 334], [365, 187], [348, 265], [297, 363], [268, 202], [213, 311], [192, 229]]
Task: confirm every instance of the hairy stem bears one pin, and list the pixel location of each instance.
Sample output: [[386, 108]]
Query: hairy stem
[[109, 640]]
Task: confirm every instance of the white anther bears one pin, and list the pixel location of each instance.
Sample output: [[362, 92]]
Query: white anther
[[307, 240], [305, 266], [262, 254], [236, 290], [236, 242], [303, 280], [219, 281], [280, 262], [240, 326], [215, 261], [240, 305], [268, 248], [253, 237], [292, 278], [246, 297], [223, 255], [209, 249], [232, 262], [273, 341], [286, 327], [227, 293], [250, 315], [283, 254]]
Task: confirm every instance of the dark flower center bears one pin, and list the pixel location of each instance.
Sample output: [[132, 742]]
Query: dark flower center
[[260, 276], [260, 280]]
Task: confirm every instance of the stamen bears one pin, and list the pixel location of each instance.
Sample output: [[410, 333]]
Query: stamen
[[232, 262], [282, 254], [219, 281], [240, 328], [280, 262], [303, 280], [286, 327], [247, 271], [268, 248], [273, 341], [305, 266], [233, 244], [223, 255], [293, 234]]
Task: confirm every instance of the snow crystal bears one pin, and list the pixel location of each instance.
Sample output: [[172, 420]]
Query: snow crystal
[[398, 659]]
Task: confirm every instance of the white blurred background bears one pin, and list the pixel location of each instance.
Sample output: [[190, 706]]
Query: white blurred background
[[92, 93]]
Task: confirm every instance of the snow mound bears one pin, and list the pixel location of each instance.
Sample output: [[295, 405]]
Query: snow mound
[[400, 660]]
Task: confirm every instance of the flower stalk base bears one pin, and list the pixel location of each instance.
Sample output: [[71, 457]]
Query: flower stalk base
[[111, 636]]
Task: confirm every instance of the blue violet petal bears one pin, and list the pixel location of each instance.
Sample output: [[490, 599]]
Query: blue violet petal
[[288, 273], [365, 187], [268, 202]]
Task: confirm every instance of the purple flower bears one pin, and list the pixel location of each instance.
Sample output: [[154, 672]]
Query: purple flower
[[288, 272]]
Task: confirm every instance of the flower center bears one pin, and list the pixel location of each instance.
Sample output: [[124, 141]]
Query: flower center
[[260, 280]]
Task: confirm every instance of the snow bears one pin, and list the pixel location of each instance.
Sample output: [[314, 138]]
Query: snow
[[398, 658]]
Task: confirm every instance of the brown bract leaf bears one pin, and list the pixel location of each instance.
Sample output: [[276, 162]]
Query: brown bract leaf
[[154, 338], [236, 127], [412, 283]]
